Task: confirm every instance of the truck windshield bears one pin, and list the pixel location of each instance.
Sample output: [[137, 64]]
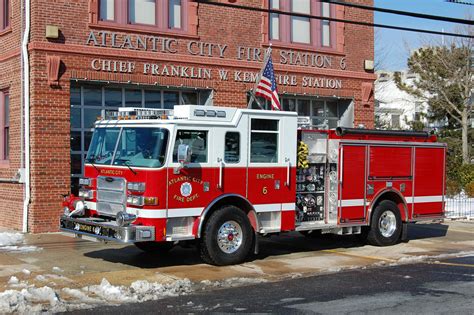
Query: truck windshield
[[141, 147]]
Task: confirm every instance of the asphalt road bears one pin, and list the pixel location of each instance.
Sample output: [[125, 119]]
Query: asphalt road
[[431, 287]]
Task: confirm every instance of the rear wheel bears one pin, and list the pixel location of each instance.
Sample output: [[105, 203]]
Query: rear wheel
[[386, 224], [155, 247], [227, 237]]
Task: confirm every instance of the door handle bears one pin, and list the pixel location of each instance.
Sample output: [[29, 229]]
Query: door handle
[[221, 166], [288, 168]]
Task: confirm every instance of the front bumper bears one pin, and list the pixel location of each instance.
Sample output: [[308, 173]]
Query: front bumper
[[107, 230]]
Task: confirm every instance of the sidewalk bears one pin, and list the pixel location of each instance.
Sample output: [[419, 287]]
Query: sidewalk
[[54, 272]]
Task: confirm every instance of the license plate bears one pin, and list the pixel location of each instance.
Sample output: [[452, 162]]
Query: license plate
[[84, 228]]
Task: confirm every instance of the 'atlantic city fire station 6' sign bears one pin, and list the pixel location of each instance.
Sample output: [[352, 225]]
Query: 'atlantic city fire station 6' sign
[[197, 48]]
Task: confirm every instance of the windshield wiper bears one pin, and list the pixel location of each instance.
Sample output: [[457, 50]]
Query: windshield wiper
[[127, 164], [92, 160]]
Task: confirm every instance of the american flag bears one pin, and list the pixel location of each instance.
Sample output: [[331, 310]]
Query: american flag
[[267, 87]]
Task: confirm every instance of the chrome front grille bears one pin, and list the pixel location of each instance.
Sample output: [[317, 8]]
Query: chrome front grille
[[111, 183], [111, 195]]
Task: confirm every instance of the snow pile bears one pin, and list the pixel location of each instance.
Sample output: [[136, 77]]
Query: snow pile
[[30, 300], [13, 280], [233, 282], [46, 299], [7, 239], [12, 242]]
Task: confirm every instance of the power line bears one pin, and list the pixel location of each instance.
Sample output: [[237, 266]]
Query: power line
[[459, 2], [309, 16], [404, 13]]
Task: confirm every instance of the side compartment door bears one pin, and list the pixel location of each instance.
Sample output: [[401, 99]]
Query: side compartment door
[[352, 193], [265, 168], [428, 191]]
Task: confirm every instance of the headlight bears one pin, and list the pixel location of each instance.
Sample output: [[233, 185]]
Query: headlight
[[85, 181], [332, 176], [86, 193], [142, 201], [135, 200], [139, 187], [332, 197]]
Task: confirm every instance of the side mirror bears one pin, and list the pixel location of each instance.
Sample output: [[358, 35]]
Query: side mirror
[[184, 154], [184, 157]]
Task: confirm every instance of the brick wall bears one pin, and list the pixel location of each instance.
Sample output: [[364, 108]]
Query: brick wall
[[11, 195], [50, 108]]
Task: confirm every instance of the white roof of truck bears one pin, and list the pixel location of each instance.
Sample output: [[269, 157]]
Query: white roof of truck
[[183, 114]]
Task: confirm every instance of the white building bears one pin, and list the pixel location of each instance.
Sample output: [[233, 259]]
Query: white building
[[395, 108]]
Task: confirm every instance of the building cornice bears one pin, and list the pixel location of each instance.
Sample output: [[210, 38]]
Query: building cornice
[[101, 52]]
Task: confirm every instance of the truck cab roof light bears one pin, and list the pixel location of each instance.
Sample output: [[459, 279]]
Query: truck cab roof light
[[129, 113]]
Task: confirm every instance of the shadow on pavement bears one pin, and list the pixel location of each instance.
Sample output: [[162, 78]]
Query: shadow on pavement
[[269, 246], [421, 231], [275, 245]]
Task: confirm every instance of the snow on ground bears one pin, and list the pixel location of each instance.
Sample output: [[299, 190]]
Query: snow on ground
[[32, 299], [14, 242], [47, 299], [27, 298], [419, 258], [232, 282]]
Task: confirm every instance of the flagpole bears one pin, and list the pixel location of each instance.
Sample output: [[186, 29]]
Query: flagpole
[[268, 53]]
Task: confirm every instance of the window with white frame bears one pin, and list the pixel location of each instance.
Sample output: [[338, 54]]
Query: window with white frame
[[4, 125], [160, 14], [300, 26], [301, 29], [325, 25], [264, 141], [232, 147], [4, 14], [275, 20]]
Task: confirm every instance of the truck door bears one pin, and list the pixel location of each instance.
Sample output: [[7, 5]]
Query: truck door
[[230, 149], [352, 194], [194, 186]]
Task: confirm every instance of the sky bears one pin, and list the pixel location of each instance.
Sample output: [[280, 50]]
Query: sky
[[392, 47]]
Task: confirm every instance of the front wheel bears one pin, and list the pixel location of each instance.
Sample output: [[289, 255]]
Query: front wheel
[[227, 237], [386, 224]]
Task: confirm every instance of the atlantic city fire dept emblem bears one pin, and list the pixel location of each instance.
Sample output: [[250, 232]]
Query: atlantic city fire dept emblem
[[186, 189]]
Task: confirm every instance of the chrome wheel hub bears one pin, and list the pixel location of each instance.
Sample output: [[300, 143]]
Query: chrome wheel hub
[[387, 223], [229, 237]]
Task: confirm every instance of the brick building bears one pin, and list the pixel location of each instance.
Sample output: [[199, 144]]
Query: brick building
[[88, 55]]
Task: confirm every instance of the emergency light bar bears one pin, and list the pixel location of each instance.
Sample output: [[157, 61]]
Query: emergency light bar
[[125, 113]]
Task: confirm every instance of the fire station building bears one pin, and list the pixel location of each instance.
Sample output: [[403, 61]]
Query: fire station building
[[62, 62]]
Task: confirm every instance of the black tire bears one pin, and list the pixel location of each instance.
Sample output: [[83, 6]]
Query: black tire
[[379, 233], [364, 233], [155, 247], [210, 250]]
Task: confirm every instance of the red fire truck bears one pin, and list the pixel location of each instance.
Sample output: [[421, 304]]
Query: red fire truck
[[224, 177]]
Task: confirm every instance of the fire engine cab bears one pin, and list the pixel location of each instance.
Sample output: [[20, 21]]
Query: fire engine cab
[[224, 177]]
